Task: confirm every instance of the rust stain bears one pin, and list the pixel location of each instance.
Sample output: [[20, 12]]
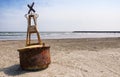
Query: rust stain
[[34, 59]]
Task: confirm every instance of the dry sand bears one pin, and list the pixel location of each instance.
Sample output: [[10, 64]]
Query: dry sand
[[70, 58]]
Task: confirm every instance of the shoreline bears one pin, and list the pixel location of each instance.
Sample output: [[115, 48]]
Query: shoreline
[[63, 38], [58, 35]]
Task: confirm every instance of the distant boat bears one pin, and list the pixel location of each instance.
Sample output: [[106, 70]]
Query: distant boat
[[96, 31]]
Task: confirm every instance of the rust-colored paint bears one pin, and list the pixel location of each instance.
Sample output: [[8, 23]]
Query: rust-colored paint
[[35, 58]]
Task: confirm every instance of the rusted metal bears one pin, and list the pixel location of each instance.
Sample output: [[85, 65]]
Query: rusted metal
[[35, 58], [32, 29]]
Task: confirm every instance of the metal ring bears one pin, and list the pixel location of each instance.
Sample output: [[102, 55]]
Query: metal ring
[[36, 15]]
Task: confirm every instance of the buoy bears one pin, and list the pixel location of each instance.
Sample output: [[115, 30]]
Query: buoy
[[34, 56]]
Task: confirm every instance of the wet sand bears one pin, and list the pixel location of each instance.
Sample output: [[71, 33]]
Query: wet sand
[[90, 57]]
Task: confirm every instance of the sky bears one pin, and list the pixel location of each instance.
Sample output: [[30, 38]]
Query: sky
[[62, 15]]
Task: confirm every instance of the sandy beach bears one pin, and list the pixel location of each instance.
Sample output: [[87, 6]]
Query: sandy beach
[[90, 57]]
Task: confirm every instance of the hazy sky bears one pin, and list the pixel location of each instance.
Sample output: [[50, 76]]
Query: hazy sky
[[62, 15]]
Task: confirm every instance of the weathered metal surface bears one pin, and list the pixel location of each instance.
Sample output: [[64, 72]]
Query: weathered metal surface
[[32, 29], [35, 58]]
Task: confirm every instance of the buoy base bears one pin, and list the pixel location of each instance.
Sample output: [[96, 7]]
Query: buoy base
[[34, 57]]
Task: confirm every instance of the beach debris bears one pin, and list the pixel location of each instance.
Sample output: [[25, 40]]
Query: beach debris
[[34, 56]]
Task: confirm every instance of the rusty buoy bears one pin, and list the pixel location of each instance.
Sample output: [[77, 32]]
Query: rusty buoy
[[35, 57]]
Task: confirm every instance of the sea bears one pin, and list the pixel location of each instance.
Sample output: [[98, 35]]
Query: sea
[[60, 35]]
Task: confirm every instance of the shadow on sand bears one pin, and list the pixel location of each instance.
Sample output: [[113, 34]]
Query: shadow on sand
[[16, 70], [13, 70]]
